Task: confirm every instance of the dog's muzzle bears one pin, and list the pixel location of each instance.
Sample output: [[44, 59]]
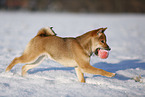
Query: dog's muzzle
[[96, 51]]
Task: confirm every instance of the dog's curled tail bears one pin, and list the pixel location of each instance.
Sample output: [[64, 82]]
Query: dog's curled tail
[[47, 31]]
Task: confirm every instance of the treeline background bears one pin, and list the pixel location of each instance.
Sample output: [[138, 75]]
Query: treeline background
[[89, 6]]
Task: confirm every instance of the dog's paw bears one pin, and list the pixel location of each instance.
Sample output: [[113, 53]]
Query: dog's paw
[[111, 75], [7, 70]]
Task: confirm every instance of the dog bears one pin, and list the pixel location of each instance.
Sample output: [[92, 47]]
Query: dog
[[69, 51]]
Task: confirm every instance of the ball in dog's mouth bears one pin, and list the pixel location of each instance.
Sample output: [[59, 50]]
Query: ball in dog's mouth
[[103, 54]]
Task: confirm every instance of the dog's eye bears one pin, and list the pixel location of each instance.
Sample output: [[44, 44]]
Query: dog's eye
[[102, 41]]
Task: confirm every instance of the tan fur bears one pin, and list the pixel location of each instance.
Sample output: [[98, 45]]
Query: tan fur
[[45, 32], [72, 52]]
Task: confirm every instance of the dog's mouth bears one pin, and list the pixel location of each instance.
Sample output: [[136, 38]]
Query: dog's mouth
[[97, 50]]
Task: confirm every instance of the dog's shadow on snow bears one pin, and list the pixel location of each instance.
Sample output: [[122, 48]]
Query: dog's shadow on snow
[[50, 68], [122, 65], [110, 67]]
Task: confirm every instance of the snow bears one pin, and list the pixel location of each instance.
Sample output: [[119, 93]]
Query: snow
[[125, 36]]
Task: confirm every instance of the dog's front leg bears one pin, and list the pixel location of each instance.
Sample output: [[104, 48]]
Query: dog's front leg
[[87, 68], [83, 61], [80, 75]]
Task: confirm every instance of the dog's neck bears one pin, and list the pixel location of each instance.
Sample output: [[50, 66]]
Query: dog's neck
[[86, 42]]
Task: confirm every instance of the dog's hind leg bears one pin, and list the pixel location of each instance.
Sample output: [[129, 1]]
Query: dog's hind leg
[[25, 58], [26, 67], [80, 75], [13, 63]]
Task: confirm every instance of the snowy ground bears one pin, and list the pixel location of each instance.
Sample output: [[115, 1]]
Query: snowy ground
[[125, 35]]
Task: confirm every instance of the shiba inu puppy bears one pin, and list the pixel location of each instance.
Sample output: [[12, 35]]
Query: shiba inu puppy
[[71, 52]]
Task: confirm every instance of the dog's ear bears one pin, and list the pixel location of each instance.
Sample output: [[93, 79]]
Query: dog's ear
[[98, 31], [104, 30], [101, 30]]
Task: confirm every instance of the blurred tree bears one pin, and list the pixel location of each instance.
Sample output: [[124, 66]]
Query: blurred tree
[[76, 5]]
